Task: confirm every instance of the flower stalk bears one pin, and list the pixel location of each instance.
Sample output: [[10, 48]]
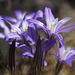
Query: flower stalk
[[12, 58], [59, 67]]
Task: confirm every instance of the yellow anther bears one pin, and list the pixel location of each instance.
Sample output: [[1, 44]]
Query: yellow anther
[[12, 30]]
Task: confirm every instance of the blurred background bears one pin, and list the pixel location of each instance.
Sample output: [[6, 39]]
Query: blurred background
[[60, 9]]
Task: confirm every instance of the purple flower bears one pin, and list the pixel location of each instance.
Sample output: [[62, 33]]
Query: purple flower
[[53, 26], [20, 16], [65, 55], [6, 30], [21, 26], [19, 23]]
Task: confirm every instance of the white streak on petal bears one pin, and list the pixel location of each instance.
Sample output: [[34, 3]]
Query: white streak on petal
[[64, 53], [24, 26], [53, 26]]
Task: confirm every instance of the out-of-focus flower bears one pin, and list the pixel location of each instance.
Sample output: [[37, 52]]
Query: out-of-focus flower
[[20, 16], [65, 55], [53, 26], [7, 31], [20, 25]]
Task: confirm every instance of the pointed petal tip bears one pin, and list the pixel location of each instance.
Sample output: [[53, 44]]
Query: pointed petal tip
[[47, 8]]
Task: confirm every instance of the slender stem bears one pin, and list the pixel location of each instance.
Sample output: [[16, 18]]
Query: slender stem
[[33, 67], [59, 66], [12, 58]]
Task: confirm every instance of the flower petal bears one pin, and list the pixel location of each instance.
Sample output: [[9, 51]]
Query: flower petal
[[36, 22], [72, 58], [61, 47], [30, 16], [39, 15], [67, 28], [49, 18], [57, 50], [10, 19], [69, 63], [32, 33], [19, 14], [59, 36], [14, 27], [61, 22], [2, 35], [13, 36], [23, 46], [71, 53], [18, 23], [49, 45], [2, 25], [27, 54]]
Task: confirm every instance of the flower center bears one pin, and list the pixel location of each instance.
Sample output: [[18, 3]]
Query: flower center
[[22, 16], [65, 53], [24, 26], [12, 30], [53, 25]]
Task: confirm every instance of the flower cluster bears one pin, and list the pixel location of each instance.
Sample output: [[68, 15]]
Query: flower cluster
[[24, 29]]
